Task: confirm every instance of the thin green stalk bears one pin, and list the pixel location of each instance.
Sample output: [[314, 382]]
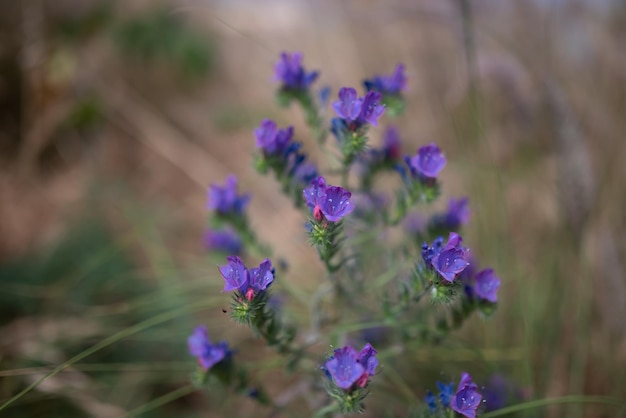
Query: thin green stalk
[[127, 332], [162, 400], [572, 399]]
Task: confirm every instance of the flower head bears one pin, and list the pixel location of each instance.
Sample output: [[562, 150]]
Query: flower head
[[235, 275], [333, 202], [446, 390], [247, 282], [427, 163], [452, 259], [208, 354], [388, 84], [270, 139], [291, 74], [349, 369], [225, 200], [486, 285], [225, 240], [357, 111], [466, 399]]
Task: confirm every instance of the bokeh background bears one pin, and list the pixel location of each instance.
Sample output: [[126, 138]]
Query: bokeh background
[[116, 116]]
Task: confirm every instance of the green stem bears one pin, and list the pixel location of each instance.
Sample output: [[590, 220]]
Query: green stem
[[162, 400], [572, 399]]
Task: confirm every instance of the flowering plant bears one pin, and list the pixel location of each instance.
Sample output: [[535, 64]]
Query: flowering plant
[[342, 209]]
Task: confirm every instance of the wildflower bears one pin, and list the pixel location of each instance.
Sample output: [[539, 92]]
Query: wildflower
[[247, 282], [427, 163], [388, 84], [466, 399], [446, 390], [327, 202], [457, 214], [357, 111], [291, 74], [270, 139], [431, 401], [225, 240], [452, 259], [225, 200], [207, 354], [486, 285], [350, 370]]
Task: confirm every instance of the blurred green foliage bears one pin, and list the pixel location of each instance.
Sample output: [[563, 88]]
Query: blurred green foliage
[[160, 37]]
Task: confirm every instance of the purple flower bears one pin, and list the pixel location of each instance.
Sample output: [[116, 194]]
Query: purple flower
[[348, 106], [225, 240], [225, 200], [349, 369], [466, 399], [247, 282], [355, 111], [452, 259], [235, 275], [333, 202], [486, 286], [208, 354], [430, 251], [261, 277], [371, 110], [270, 139], [457, 214], [427, 163], [291, 74], [388, 84], [313, 194], [305, 172]]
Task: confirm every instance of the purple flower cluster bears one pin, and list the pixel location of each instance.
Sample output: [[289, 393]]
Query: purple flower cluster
[[225, 240], [291, 74], [466, 399], [351, 370], [483, 285], [427, 163], [226, 200], [329, 203], [207, 354], [388, 84], [448, 260], [358, 111], [248, 283], [283, 154], [271, 140]]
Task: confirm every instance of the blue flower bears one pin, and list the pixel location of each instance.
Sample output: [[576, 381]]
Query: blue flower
[[466, 399], [427, 163], [486, 285], [356, 112], [225, 240], [388, 84], [225, 200], [207, 354], [349, 369], [445, 393], [270, 139], [348, 107], [431, 401], [452, 259], [291, 74], [327, 202], [247, 282]]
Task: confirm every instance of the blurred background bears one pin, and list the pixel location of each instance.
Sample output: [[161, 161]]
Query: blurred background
[[116, 116]]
